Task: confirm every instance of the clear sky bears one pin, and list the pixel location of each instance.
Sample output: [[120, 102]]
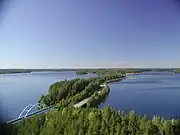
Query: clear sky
[[90, 33]]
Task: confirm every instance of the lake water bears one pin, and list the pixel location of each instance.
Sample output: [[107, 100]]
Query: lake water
[[149, 93], [19, 90]]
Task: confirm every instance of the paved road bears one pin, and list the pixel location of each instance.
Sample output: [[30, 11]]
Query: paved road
[[84, 101]]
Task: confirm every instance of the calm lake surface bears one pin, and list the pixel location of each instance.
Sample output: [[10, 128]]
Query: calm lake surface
[[149, 93], [19, 90]]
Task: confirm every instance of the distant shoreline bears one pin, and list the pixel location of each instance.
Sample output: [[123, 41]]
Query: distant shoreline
[[80, 71], [16, 71]]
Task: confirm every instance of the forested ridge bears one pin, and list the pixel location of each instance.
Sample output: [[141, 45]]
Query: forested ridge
[[69, 92]]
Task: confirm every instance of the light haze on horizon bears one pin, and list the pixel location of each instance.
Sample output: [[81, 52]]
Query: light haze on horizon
[[91, 33]]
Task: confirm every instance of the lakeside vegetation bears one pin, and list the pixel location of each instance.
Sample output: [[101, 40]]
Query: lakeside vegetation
[[92, 121]]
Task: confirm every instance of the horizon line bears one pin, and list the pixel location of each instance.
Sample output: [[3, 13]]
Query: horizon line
[[91, 68]]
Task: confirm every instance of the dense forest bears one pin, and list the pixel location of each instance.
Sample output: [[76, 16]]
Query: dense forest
[[91, 121]]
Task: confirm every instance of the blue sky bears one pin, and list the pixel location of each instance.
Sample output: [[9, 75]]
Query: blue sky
[[90, 33]]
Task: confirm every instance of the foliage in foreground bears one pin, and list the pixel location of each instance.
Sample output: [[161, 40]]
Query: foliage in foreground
[[86, 121]]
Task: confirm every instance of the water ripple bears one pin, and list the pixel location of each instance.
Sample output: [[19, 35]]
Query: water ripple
[[138, 82]]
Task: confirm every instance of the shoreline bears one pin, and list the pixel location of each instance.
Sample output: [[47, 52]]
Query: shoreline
[[2, 73], [14, 73]]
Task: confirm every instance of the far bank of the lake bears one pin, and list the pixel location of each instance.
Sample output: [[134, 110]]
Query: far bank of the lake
[[15, 71]]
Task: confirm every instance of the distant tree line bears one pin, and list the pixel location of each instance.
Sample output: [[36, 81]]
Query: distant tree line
[[111, 71], [104, 71], [11, 71]]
